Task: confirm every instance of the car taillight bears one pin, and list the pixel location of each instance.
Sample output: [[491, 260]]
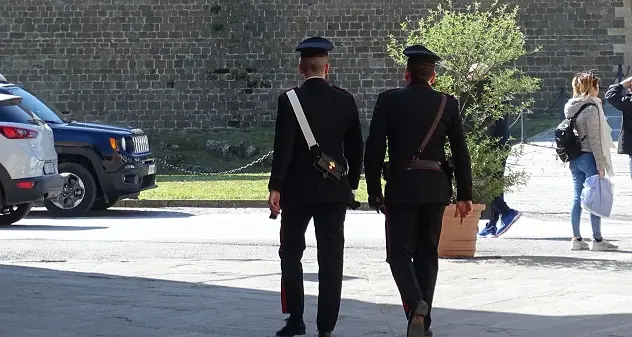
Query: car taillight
[[25, 184], [17, 133]]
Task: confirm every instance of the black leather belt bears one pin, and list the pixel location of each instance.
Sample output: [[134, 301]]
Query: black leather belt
[[417, 165]]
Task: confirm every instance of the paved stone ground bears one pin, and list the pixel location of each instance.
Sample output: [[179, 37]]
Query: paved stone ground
[[549, 192], [215, 273], [175, 273], [584, 295]]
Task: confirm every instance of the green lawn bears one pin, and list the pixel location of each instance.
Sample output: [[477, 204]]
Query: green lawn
[[228, 187], [247, 186]]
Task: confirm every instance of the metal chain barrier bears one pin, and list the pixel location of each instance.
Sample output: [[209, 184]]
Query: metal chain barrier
[[267, 155], [213, 174]]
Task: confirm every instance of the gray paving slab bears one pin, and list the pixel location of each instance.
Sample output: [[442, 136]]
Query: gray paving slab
[[549, 192], [477, 297], [154, 279]]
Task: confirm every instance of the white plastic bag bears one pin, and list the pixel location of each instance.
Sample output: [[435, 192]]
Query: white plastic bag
[[597, 196]]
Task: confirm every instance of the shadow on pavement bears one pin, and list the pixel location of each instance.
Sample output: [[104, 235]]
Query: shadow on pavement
[[561, 239], [558, 262], [49, 228], [52, 303], [116, 214], [307, 277]]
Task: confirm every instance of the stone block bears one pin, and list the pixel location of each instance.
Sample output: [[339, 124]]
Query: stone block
[[164, 47]]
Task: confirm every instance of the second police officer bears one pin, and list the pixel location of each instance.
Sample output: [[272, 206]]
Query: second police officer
[[416, 120]]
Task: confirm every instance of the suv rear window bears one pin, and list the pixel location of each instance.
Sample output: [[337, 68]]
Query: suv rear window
[[14, 114]]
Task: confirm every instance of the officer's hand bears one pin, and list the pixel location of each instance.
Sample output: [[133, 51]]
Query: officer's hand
[[463, 209], [627, 82], [274, 202], [353, 204], [376, 202]]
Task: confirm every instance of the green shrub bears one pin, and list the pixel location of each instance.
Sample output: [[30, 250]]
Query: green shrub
[[463, 38]]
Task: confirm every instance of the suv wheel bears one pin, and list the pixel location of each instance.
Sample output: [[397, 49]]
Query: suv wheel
[[101, 205], [13, 213], [78, 195]]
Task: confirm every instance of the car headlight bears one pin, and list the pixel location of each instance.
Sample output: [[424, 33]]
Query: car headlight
[[123, 144]]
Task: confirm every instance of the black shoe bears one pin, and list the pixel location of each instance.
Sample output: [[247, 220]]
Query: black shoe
[[416, 327], [293, 327], [324, 334]]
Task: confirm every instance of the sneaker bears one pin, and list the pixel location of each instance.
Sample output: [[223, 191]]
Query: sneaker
[[580, 245], [507, 221], [488, 232], [603, 245]]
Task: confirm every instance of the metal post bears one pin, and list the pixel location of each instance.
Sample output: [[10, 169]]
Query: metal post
[[620, 73], [522, 128]]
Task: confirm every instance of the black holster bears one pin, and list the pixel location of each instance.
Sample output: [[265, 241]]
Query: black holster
[[329, 168], [448, 167]]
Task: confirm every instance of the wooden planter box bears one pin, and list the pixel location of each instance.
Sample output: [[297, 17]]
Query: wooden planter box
[[459, 241]]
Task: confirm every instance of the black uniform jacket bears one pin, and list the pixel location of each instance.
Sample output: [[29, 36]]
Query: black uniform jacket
[[623, 103], [404, 116], [333, 116]]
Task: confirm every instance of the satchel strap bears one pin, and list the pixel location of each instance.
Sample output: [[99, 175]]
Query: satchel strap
[[302, 120], [583, 107], [433, 127]]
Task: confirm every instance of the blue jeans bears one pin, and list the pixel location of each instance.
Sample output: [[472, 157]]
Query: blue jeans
[[499, 209], [499, 206], [581, 168]]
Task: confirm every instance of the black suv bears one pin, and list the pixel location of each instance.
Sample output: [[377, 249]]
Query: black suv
[[100, 163]]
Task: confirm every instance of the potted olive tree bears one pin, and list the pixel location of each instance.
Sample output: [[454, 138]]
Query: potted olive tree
[[478, 48]]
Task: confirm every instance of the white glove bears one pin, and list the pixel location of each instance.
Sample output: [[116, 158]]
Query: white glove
[[354, 192]]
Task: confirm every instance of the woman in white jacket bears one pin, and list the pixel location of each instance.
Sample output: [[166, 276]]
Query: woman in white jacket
[[592, 128]]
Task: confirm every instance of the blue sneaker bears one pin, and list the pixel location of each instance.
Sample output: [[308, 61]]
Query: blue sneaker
[[488, 232], [507, 220]]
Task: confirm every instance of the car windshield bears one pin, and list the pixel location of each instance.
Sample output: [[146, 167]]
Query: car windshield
[[33, 104]]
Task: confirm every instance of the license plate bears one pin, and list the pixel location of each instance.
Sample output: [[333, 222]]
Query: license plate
[[49, 168], [152, 169]]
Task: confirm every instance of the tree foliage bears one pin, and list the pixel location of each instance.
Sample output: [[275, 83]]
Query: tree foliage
[[492, 39]]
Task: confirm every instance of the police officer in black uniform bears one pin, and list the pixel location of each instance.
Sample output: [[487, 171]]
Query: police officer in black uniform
[[418, 184], [314, 181]]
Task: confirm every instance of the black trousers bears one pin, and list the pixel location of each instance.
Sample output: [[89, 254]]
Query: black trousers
[[412, 239], [495, 209], [329, 225], [499, 206]]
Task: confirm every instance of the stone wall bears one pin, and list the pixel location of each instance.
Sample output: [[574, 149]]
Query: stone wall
[[165, 64]]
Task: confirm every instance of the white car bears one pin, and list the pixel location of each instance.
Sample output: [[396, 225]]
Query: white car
[[28, 161]]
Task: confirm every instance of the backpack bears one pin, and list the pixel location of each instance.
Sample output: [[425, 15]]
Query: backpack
[[569, 146]]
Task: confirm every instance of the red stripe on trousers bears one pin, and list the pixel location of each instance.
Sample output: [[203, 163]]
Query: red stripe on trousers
[[406, 307], [283, 299]]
